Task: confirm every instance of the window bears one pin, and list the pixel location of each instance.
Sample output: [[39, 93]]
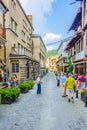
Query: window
[[23, 35], [19, 49], [81, 44], [13, 25], [13, 4], [15, 67]]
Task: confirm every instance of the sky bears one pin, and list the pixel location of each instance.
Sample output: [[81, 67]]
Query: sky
[[51, 19]]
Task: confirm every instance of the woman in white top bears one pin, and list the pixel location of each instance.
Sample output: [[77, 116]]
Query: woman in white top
[[39, 84]]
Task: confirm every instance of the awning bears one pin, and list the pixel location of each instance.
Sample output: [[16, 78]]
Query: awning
[[77, 20], [73, 41]]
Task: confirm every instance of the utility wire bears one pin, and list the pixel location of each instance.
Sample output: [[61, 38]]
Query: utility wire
[[59, 41]]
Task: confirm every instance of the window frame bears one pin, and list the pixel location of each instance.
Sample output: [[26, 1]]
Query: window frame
[[15, 67]]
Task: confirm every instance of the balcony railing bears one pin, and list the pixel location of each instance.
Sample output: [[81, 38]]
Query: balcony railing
[[3, 33]]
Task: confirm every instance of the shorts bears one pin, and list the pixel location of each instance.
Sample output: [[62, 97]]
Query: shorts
[[83, 85], [70, 93]]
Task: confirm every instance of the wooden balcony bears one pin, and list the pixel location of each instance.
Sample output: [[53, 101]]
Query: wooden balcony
[[2, 32]]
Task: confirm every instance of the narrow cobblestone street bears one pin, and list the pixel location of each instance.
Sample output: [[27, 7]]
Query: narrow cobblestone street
[[48, 111]]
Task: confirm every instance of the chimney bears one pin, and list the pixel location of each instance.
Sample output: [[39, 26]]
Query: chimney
[[30, 19]]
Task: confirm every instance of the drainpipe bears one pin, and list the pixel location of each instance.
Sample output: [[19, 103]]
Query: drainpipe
[[5, 70]]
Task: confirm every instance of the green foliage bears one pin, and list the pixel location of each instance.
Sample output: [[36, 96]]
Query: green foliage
[[70, 68], [51, 53], [84, 92], [55, 72], [23, 85], [10, 92], [46, 70], [31, 84], [28, 84]]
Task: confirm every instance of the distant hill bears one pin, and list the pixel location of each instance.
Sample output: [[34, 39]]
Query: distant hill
[[51, 53]]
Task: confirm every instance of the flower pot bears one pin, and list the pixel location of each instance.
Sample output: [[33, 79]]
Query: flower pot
[[7, 100], [83, 97], [24, 90]]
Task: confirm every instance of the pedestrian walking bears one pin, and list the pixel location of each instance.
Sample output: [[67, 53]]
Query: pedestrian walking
[[39, 82], [78, 86], [63, 80], [75, 76], [83, 80], [70, 82], [58, 80]]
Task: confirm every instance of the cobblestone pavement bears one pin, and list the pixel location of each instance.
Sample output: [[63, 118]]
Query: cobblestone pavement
[[48, 111]]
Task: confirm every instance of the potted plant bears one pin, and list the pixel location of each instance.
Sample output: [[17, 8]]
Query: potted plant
[[83, 95], [24, 87], [30, 84], [9, 95]]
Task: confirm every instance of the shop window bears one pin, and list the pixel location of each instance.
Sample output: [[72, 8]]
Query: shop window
[[15, 67]]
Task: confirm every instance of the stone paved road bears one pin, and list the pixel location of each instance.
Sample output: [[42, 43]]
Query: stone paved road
[[48, 111]]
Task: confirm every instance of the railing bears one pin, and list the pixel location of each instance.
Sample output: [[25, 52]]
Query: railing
[[3, 33]]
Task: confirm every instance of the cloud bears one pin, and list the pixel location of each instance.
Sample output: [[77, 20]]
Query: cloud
[[50, 48], [51, 37], [39, 9]]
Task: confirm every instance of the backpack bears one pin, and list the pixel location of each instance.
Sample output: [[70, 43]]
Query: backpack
[[82, 79]]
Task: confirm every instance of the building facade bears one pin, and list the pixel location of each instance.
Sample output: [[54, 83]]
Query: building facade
[[19, 44], [39, 52], [78, 44], [62, 62]]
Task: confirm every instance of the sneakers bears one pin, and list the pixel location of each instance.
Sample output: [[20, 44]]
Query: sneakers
[[64, 95], [71, 100], [68, 100]]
